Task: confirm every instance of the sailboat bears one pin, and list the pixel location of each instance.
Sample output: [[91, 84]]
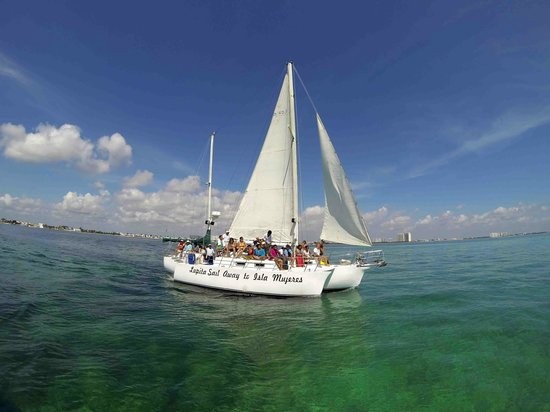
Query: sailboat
[[342, 223], [271, 202]]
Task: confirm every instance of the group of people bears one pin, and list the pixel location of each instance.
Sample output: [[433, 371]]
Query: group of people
[[200, 254], [258, 249]]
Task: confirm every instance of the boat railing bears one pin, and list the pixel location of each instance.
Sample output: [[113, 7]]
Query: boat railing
[[288, 262], [371, 258]]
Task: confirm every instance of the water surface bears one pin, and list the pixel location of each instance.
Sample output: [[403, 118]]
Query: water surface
[[93, 322]]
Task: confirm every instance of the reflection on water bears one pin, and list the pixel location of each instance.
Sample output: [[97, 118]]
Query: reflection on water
[[278, 341]]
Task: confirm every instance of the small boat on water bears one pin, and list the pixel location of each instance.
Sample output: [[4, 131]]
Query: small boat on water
[[270, 201], [171, 239]]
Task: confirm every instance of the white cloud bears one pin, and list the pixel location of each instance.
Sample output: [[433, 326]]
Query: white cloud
[[20, 204], [49, 144], [386, 224], [115, 149], [10, 69], [140, 178], [376, 216], [507, 127], [188, 185], [179, 207], [86, 204]]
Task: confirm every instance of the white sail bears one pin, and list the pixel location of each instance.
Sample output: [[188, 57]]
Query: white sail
[[267, 203], [342, 221]]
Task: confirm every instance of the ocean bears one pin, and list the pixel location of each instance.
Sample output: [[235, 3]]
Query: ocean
[[92, 322]]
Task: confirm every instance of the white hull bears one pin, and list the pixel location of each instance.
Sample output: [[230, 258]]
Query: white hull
[[170, 263], [345, 277], [248, 276]]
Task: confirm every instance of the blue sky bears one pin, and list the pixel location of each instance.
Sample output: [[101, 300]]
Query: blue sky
[[439, 111]]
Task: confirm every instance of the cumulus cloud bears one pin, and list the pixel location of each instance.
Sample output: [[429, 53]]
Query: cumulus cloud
[[385, 223], [50, 144], [517, 219], [140, 178], [178, 207], [86, 204], [20, 204]]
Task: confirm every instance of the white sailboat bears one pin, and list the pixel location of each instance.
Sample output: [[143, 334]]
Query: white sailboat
[[270, 201]]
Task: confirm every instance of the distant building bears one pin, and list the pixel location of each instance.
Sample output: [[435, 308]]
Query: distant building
[[404, 237], [500, 234]]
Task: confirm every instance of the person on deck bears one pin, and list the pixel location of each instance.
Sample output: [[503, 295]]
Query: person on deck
[[268, 239], [299, 256], [317, 250], [179, 248], [225, 238], [305, 251], [231, 248], [209, 255], [249, 252], [275, 256], [241, 246], [287, 256], [219, 244], [188, 247], [259, 253]]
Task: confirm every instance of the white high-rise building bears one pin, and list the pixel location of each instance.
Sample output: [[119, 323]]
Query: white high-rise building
[[404, 237]]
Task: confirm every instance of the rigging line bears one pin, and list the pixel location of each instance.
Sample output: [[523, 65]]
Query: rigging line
[[305, 89], [304, 222], [298, 160]]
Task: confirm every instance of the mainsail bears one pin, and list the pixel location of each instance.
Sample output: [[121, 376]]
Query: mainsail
[[342, 221], [268, 202]]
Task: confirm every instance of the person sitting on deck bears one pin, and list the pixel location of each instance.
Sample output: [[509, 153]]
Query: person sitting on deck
[[231, 248], [241, 246], [249, 253], [317, 250], [287, 251], [259, 253], [179, 248], [188, 247], [318, 254], [299, 256], [274, 255]]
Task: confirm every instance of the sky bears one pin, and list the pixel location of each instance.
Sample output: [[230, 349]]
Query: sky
[[439, 111]]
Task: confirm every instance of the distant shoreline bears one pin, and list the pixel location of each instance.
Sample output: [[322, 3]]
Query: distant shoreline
[[65, 228], [159, 237], [434, 240]]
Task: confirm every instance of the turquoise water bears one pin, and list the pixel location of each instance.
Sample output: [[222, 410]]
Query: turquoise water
[[92, 322]]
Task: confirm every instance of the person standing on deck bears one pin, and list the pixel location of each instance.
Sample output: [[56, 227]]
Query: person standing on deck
[[268, 239], [209, 255], [225, 239]]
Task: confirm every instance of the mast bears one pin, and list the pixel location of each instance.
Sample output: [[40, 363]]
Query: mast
[[209, 221], [292, 126]]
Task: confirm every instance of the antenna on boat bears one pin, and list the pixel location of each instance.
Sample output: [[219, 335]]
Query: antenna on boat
[[210, 216]]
